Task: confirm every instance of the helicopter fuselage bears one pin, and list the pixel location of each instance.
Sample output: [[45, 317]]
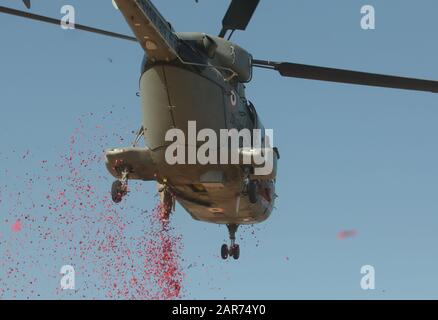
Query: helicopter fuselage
[[174, 94]]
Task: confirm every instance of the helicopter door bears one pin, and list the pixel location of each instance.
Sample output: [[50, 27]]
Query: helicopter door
[[195, 98]]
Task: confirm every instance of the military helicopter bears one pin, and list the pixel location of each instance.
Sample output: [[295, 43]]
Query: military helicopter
[[199, 77]]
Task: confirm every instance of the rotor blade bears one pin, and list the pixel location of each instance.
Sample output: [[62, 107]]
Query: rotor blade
[[153, 32], [36, 17], [27, 3], [302, 71], [238, 16]]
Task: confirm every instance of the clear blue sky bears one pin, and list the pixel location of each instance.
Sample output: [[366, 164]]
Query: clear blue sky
[[351, 157]]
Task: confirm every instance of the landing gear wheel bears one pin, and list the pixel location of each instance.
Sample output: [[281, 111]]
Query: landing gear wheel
[[235, 251], [253, 191], [224, 252], [118, 191]]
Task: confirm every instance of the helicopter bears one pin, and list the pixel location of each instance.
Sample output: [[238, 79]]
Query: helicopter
[[201, 78]]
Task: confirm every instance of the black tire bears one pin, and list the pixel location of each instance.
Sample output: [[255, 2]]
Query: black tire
[[236, 252], [253, 192], [116, 191], [224, 252]]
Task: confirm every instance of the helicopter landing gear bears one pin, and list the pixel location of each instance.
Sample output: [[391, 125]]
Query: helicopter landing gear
[[119, 188], [224, 251], [167, 202], [234, 249]]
